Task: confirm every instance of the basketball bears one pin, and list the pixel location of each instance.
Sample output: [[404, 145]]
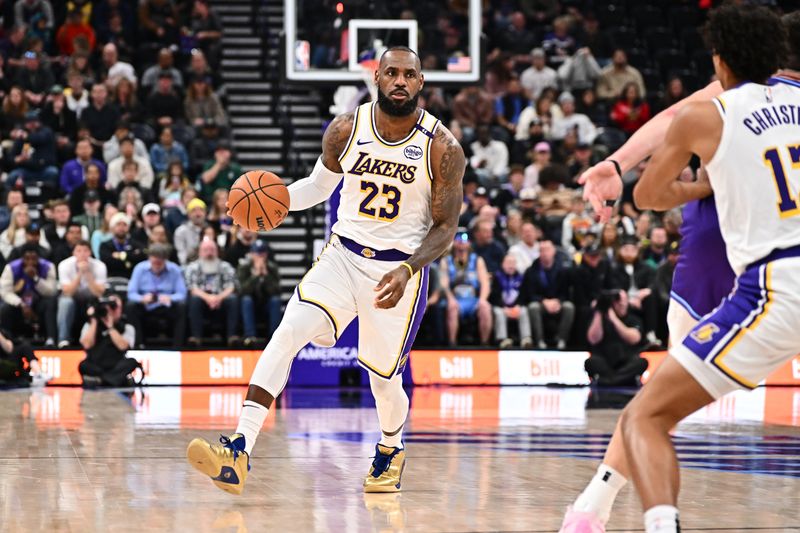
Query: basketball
[[258, 200]]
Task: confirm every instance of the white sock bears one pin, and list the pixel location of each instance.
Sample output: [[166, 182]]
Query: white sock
[[598, 497], [662, 519], [250, 422], [393, 441]]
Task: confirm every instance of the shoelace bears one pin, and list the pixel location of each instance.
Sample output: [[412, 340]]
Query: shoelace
[[382, 462], [228, 443]]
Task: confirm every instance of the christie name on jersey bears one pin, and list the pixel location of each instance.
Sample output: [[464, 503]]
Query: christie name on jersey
[[772, 116], [391, 169]]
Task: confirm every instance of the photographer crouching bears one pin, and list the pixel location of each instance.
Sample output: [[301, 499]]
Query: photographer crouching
[[615, 336], [106, 337]]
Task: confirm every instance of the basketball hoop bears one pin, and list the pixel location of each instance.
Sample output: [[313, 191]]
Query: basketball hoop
[[368, 68]]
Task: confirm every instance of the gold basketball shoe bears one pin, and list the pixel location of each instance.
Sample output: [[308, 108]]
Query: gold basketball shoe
[[386, 470], [226, 464]]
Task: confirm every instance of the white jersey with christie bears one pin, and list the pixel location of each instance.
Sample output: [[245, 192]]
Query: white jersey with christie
[[386, 196], [755, 172]]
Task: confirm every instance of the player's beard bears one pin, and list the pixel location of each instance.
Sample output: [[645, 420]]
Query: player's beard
[[393, 109]]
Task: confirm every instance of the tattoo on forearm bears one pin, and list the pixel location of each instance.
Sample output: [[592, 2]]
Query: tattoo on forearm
[[446, 198]]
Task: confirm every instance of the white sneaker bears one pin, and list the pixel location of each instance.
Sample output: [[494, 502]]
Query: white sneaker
[[40, 380], [542, 345], [63, 344], [561, 345]]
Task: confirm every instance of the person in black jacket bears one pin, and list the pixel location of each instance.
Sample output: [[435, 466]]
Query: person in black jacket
[[634, 276], [589, 278], [260, 292], [546, 290], [106, 337], [33, 154], [121, 253], [57, 116]]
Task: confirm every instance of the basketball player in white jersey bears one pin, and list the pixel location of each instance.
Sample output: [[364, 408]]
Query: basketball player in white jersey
[[399, 208], [591, 510], [747, 139]]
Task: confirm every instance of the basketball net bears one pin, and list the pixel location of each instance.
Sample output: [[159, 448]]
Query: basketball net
[[368, 68]]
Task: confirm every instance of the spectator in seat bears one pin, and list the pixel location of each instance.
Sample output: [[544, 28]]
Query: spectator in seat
[[201, 103], [121, 253], [59, 118], [614, 335], [203, 146], [207, 30], [617, 75], [159, 22], [106, 337], [472, 106], [63, 249], [81, 278], [73, 172], [165, 64], [674, 93], [15, 108], [538, 76], [74, 28], [13, 45], [158, 235], [572, 121], [77, 97], [116, 69], [188, 235], [630, 112], [219, 173], [171, 184], [101, 117], [579, 72], [104, 233], [589, 278], [466, 284], [198, 67], [26, 10], [164, 105], [212, 285], [91, 217], [92, 183], [33, 154], [144, 176], [151, 217], [486, 246], [546, 290], [542, 156], [32, 235], [504, 298], [655, 251], [178, 214], [526, 251], [558, 43], [578, 220], [157, 288], [242, 242], [55, 231], [635, 277], [489, 157], [13, 199], [662, 287], [127, 102], [475, 202], [111, 148], [260, 283], [166, 150], [508, 192], [28, 290], [117, 25], [34, 78], [508, 107]]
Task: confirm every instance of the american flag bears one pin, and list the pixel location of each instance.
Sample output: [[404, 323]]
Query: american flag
[[459, 64]]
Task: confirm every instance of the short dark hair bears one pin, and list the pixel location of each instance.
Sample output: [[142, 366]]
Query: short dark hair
[[57, 202], [28, 247], [751, 40], [400, 48], [791, 22], [83, 242]]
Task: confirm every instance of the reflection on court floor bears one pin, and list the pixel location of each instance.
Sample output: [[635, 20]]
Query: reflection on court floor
[[479, 459]]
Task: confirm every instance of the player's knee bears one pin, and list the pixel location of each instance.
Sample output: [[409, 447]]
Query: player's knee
[[283, 340]]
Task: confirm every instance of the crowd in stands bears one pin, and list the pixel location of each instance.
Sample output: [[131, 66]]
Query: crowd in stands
[[116, 162]]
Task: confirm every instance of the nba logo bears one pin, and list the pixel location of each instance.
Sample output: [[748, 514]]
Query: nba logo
[[302, 55]]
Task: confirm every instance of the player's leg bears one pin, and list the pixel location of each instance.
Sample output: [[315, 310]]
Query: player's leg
[[391, 402], [501, 327], [453, 314], [535, 311], [592, 509]]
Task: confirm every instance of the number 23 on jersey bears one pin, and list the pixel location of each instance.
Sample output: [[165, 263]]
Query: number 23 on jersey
[[391, 207]]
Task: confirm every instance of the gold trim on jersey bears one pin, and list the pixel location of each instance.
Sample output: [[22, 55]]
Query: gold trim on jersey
[[428, 145], [394, 144], [352, 137]]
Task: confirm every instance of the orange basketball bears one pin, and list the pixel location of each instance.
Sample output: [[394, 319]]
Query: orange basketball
[[258, 200]]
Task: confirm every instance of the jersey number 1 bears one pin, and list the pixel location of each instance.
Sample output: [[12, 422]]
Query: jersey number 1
[[772, 158], [392, 195]]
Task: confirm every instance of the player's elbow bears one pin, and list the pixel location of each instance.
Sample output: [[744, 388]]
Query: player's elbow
[[644, 198]]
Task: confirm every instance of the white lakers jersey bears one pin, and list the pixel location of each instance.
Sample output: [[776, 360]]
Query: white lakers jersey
[[386, 195], [755, 172]]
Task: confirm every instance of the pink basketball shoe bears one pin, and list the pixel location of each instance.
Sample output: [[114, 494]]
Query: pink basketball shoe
[[581, 522]]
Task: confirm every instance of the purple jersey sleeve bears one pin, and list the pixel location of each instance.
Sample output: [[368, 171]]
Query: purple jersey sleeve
[[703, 276]]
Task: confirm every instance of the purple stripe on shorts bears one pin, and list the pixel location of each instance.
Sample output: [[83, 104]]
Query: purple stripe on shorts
[[419, 312]]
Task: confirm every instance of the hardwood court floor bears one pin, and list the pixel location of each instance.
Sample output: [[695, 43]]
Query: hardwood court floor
[[479, 459]]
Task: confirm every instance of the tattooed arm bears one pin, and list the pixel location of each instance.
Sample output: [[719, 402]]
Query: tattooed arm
[[327, 172], [448, 164]]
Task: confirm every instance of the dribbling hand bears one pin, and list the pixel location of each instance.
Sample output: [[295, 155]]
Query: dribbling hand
[[601, 184], [391, 287]]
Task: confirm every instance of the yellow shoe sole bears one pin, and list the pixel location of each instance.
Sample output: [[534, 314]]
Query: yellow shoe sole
[[200, 456], [380, 488]]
